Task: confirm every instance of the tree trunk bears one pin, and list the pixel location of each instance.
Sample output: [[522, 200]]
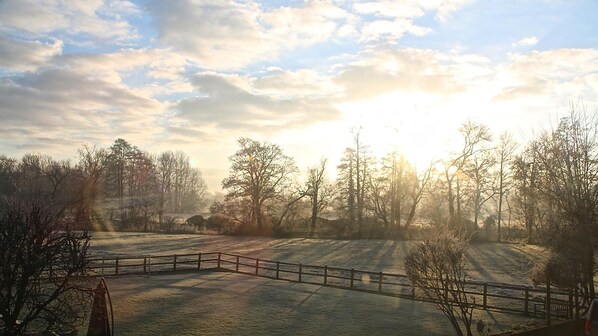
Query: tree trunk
[[500, 196], [314, 213]]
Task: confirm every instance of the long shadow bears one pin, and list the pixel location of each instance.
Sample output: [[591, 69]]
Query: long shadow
[[506, 261], [486, 276], [176, 307]]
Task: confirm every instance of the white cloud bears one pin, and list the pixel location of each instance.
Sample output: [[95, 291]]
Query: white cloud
[[391, 30], [303, 83], [526, 42], [394, 9], [555, 72], [231, 35], [444, 8], [393, 19], [111, 67], [98, 19], [412, 70]]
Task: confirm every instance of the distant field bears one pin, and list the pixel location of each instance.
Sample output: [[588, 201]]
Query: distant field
[[492, 262]]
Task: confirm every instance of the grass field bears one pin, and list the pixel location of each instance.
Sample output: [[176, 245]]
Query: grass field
[[220, 303], [217, 303], [492, 262]]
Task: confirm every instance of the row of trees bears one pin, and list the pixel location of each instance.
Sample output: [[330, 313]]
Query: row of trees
[[491, 187], [487, 183], [121, 183], [370, 196]]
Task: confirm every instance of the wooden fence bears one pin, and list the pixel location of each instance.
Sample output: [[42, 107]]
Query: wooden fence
[[528, 300]]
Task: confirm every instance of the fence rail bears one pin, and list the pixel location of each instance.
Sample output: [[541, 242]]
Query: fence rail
[[504, 297]]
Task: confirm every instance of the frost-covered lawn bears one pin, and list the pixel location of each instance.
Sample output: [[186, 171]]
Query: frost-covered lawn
[[492, 262], [219, 303]]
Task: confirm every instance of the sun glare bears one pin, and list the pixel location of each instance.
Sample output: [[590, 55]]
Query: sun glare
[[403, 123]]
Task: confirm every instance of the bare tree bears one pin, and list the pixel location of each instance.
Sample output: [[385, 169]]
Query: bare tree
[[165, 163], [504, 152], [436, 267], [474, 135], [259, 172], [319, 192], [43, 265], [194, 192], [395, 192], [526, 191], [354, 173], [479, 171], [568, 157], [8, 167], [90, 174]]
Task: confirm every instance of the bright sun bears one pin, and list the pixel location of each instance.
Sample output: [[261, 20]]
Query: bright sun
[[400, 122]]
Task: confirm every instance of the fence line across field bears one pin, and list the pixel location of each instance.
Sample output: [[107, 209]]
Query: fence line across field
[[503, 297]]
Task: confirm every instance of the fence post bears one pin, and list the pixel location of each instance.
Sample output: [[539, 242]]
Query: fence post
[[277, 268], [300, 267], [526, 300], [576, 303], [485, 295], [548, 317], [570, 312], [219, 253], [174, 263], [144, 265], [352, 276], [325, 274], [102, 265], [116, 266], [237, 265], [199, 261], [257, 266], [380, 282]]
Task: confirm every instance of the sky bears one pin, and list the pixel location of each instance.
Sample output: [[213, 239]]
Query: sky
[[195, 75]]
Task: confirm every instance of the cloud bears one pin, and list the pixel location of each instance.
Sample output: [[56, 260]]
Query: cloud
[[388, 70], [304, 83], [552, 73], [393, 19], [97, 19], [526, 42], [65, 105], [232, 35], [230, 103], [396, 9], [444, 8], [19, 55], [390, 30], [157, 63]]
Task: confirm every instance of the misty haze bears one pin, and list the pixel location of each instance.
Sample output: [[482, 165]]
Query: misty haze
[[202, 167]]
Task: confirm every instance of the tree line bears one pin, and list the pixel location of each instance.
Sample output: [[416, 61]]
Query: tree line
[[121, 185], [491, 187]]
